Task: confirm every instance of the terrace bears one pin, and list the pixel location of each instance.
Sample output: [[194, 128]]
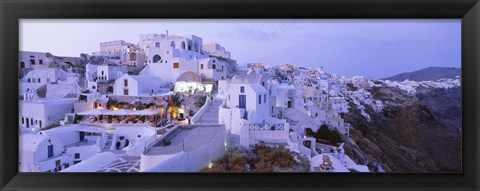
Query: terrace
[[104, 117]]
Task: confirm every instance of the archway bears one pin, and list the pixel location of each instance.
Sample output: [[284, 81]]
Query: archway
[[156, 58]]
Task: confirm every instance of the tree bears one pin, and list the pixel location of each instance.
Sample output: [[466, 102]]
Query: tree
[[309, 132], [335, 136], [323, 132]]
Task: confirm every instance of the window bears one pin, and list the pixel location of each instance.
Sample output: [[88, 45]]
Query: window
[[156, 58], [201, 66], [172, 44], [93, 87], [77, 155], [28, 80], [23, 119], [31, 121], [176, 65], [40, 62], [32, 60], [183, 45], [39, 80], [22, 64], [214, 66], [125, 92], [50, 151], [242, 89], [259, 99], [228, 99], [40, 124], [125, 82], [265, 98], [157, 44]]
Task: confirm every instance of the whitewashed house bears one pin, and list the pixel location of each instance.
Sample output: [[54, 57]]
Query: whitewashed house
[[40, 153], [106, 73], [339, 104], [37, 114], [246, 113], [40, 77], [34, 60], [138, 85], [169, 56]]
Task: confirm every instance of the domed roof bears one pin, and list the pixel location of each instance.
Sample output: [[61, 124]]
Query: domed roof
[[189, 77]]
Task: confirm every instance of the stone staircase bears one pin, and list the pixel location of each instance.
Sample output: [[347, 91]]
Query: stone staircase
[[211, 114]]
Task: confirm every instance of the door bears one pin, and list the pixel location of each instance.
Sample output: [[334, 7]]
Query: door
[[50, 151], [82, 136], [242, 101]]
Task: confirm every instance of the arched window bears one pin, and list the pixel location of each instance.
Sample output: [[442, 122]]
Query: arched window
[[183, 45], [195, 46], [156, 58], [189, 45], [172, 44], [133, 56], [32, 60]]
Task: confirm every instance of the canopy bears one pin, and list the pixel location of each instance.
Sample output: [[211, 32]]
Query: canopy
[[94, 112], [120, 112], [146, 112]]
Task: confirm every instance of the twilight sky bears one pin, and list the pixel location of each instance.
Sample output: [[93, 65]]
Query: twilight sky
[[375, 48]]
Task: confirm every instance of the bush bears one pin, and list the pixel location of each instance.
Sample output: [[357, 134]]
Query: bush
[[77, 118], [261, 158], [325, 133], [309, 132]]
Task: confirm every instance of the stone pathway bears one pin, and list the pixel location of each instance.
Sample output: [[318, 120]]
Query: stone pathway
[[123, 164]]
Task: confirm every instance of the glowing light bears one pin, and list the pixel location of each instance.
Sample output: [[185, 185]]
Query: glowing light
[[210, 165]]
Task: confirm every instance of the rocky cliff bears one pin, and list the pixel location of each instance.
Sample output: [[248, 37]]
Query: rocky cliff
[[413, 133]]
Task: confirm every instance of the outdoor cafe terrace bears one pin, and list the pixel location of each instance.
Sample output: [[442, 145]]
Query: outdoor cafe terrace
[[102, 117]]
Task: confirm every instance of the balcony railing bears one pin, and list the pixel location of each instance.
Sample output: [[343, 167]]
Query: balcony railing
[[266, 126]]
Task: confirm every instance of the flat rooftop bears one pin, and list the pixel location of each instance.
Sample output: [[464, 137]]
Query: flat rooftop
[[186, 138]]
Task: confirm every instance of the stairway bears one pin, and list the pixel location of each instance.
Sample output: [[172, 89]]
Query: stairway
[[211, 114], [108, 144]]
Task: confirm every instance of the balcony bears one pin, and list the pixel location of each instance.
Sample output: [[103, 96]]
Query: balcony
[[266, 126]]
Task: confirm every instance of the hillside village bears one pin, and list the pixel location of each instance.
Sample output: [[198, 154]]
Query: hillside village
[[171, 103]]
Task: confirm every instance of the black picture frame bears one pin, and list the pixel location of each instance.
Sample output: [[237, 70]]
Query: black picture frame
[[11, 11]]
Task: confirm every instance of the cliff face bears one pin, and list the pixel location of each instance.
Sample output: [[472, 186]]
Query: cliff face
[[430, 73], [413, 133]]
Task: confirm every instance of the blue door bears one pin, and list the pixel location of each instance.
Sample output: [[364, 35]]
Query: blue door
[[50, 151], [242, 101], [82, 136]]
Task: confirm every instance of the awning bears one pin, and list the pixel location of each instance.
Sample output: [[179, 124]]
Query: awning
[[94, 112], [146, 112], [120, 112]]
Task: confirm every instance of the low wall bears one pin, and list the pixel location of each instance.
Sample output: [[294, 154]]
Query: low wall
[[180, 161], [200, 112]]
